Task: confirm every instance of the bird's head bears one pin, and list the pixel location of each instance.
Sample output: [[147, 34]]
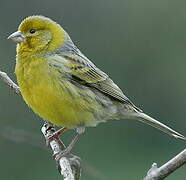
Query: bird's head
[[38, 33]]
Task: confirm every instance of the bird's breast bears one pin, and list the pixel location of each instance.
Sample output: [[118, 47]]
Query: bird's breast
[[54, 99]]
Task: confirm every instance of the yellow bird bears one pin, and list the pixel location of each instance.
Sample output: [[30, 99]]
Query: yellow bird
[[63, 86]]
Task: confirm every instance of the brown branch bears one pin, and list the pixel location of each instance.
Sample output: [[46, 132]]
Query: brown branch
[[69, 166], [165, 170]]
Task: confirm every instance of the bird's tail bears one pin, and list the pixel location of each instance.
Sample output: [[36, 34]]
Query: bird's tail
[[154, 123]]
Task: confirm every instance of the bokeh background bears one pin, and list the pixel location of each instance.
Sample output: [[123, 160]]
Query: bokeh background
[[141, 45]]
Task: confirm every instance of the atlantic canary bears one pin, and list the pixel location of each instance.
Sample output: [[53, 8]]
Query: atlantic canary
[[63, 86]]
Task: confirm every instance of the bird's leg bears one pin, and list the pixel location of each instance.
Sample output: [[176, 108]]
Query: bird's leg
[[68, 149], [80, 130], [57, 133]]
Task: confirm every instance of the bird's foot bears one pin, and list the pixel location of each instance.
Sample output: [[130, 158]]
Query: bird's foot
[[67, 150], [56, 134]]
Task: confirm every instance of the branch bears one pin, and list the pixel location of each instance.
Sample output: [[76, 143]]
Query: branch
[[69, 165], [165, 170], [9, 82]]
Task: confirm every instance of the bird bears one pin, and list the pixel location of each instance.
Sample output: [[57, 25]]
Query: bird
[[60, 84]]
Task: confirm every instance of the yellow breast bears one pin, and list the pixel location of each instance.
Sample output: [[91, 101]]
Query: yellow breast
[[52, 97]]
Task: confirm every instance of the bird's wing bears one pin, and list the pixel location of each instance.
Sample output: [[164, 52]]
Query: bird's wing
[[86, 73], [83, 71]]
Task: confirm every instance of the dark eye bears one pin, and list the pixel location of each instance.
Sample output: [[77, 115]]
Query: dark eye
[[32, 31]]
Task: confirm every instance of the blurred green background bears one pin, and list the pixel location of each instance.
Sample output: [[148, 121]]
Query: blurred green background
[[141, 45]]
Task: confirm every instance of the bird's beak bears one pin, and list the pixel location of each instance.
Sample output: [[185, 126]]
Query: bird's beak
[[17, 37]]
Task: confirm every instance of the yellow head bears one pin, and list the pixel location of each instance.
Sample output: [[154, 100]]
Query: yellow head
[[38, 33]]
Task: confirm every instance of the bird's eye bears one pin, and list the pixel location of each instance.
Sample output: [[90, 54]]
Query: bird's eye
[[32, 31]]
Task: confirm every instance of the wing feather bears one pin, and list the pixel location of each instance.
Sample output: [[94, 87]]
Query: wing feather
[[83, 71]]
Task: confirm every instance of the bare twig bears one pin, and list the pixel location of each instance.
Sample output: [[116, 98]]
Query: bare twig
[[68, 165], [9, 82], [165, 170]]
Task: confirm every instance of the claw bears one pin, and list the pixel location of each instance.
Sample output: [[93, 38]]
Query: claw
[[57, 133]]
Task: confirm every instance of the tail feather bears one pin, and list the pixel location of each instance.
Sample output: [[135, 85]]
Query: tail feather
[[154, 123]]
